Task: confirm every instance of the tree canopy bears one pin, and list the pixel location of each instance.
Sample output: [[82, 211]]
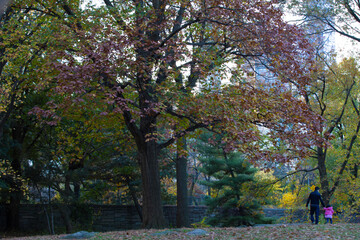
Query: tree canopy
[[157, 71]]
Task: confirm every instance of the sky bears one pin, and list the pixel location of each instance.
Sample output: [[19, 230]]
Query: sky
[[346, 47]]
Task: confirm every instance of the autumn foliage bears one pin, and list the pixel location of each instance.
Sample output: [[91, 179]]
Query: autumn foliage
[[161, 70]]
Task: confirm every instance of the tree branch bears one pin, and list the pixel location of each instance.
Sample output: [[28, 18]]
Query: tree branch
[[343, 165], [180, 134], [290, 174], [118, 19], [338, 119]]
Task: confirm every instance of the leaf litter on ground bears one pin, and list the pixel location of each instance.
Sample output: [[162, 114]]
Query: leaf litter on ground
[[343, 231]]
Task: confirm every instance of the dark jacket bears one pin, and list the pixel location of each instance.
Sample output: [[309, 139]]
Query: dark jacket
[[314, 199]]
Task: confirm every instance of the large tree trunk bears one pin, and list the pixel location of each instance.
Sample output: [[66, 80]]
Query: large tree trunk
[[16, 154], [12, 213], [152, 211], [64, 208], [148, 152], [65, 214], [324, 182], [182, 210]]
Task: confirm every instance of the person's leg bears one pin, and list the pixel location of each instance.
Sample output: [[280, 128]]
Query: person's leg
[[317, 212], [331, 220], [312, 211], [327, 220]]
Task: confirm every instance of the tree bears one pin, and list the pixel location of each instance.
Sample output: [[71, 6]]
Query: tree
[[334, 91], [342, 120], [137, 57], [334, 96], [182, 212], [20, 57], [340, 16], [83, 150], [228, 173], [27, 36]]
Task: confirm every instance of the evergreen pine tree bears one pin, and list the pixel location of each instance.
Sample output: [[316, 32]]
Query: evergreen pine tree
[[227, 172]]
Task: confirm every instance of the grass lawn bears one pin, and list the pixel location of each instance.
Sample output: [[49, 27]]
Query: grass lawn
[[341, 231]]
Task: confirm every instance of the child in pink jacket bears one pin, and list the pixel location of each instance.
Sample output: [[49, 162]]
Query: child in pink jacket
[[329, 211]]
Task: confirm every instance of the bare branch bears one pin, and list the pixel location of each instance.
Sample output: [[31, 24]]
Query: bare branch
[[295, 172], [338, 119], [176, 31]]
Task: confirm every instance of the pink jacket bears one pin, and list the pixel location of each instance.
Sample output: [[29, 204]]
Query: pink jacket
[[329, 212]]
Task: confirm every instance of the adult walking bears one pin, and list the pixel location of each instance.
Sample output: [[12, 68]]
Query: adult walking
[[314, 200]]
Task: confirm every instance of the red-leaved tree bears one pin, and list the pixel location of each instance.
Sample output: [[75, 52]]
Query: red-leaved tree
[[169, 68]]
